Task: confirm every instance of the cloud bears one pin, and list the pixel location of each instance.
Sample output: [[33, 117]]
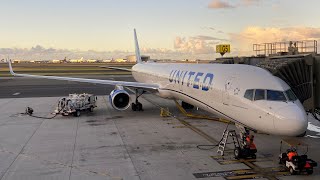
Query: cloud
[[250, 2], [197, 44], [218, 4], [40, 53], [193, 47], [212, 29], [208, 28], [272, 34], [205, 38]]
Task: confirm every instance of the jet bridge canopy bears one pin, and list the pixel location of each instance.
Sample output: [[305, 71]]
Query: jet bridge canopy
[[297, 72]]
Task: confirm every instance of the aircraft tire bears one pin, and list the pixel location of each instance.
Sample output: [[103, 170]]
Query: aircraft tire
[[134, 107], [237, 153], [91, 109], [292, 171], [254, 156], [309, 171], [77, 113], [139, 107]]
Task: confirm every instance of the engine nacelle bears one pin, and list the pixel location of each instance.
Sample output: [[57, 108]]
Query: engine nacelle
[[120, 99]]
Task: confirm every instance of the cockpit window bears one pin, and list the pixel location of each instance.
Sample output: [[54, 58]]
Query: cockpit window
[[249, 94], [290, 94], [259, 94], [275, 96]]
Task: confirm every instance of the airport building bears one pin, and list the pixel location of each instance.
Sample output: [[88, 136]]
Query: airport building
[[132, 58]]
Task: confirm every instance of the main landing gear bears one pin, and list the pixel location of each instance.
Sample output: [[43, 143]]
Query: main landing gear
[[137, 106]]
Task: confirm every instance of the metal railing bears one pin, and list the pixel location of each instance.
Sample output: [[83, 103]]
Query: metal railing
[[285, 48]]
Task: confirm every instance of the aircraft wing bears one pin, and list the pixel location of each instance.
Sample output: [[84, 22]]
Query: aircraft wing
[[116, 68], [138, 85]]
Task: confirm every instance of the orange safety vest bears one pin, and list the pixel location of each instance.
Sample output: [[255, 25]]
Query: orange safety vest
[[250, 143], [291, 154]]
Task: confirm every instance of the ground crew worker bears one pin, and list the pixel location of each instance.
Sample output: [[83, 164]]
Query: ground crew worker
[[250, 144], [292, 152]]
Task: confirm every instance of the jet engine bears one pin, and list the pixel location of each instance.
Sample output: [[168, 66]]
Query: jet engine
[[119, 98]]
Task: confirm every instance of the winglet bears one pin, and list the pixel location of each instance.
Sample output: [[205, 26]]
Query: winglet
[[138, 57], [10, 67]]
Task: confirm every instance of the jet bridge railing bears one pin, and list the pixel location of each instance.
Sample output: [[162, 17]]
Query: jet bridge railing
[[286, 48]]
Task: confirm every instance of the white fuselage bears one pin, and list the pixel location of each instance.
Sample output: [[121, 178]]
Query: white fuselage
[[220, 89]]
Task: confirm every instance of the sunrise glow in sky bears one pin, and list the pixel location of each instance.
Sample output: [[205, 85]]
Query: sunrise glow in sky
[[174, 29]]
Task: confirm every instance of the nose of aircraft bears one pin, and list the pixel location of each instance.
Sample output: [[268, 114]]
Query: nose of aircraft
[[291, 120]]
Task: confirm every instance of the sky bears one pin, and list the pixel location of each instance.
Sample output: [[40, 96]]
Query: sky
[[167, 29]]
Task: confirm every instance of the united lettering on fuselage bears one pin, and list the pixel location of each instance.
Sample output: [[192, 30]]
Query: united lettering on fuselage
[[188, 78]]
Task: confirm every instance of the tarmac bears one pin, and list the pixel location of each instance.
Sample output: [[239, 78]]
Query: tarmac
[[18, 87], [111, 144]]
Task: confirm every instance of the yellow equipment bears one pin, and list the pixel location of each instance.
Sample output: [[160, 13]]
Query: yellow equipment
[[197, 116], [164, 112]]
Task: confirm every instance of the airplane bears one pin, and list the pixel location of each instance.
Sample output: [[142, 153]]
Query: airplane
[[249, 96], [76, 60]]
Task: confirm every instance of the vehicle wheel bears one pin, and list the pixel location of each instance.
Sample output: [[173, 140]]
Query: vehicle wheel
[[237, 153], [309, 171], [77, 113], [254, 156], [134, 107], [91, 109], [139, 107], [292, 171]]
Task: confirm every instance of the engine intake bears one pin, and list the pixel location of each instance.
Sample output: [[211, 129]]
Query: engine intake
[[120, 99]]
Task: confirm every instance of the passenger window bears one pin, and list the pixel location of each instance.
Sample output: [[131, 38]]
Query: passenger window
[[249, 94], [259, 94], [275, 96]]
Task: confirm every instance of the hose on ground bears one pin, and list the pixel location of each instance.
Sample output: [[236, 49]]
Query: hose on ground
[[29, 111]]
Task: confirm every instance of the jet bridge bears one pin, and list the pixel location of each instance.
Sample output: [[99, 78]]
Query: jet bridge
[[297, 72]]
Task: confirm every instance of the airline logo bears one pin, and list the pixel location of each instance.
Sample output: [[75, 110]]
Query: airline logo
[[192, 79]]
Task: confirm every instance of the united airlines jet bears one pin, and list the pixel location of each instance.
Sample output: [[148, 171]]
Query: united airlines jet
[[249, 96]]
